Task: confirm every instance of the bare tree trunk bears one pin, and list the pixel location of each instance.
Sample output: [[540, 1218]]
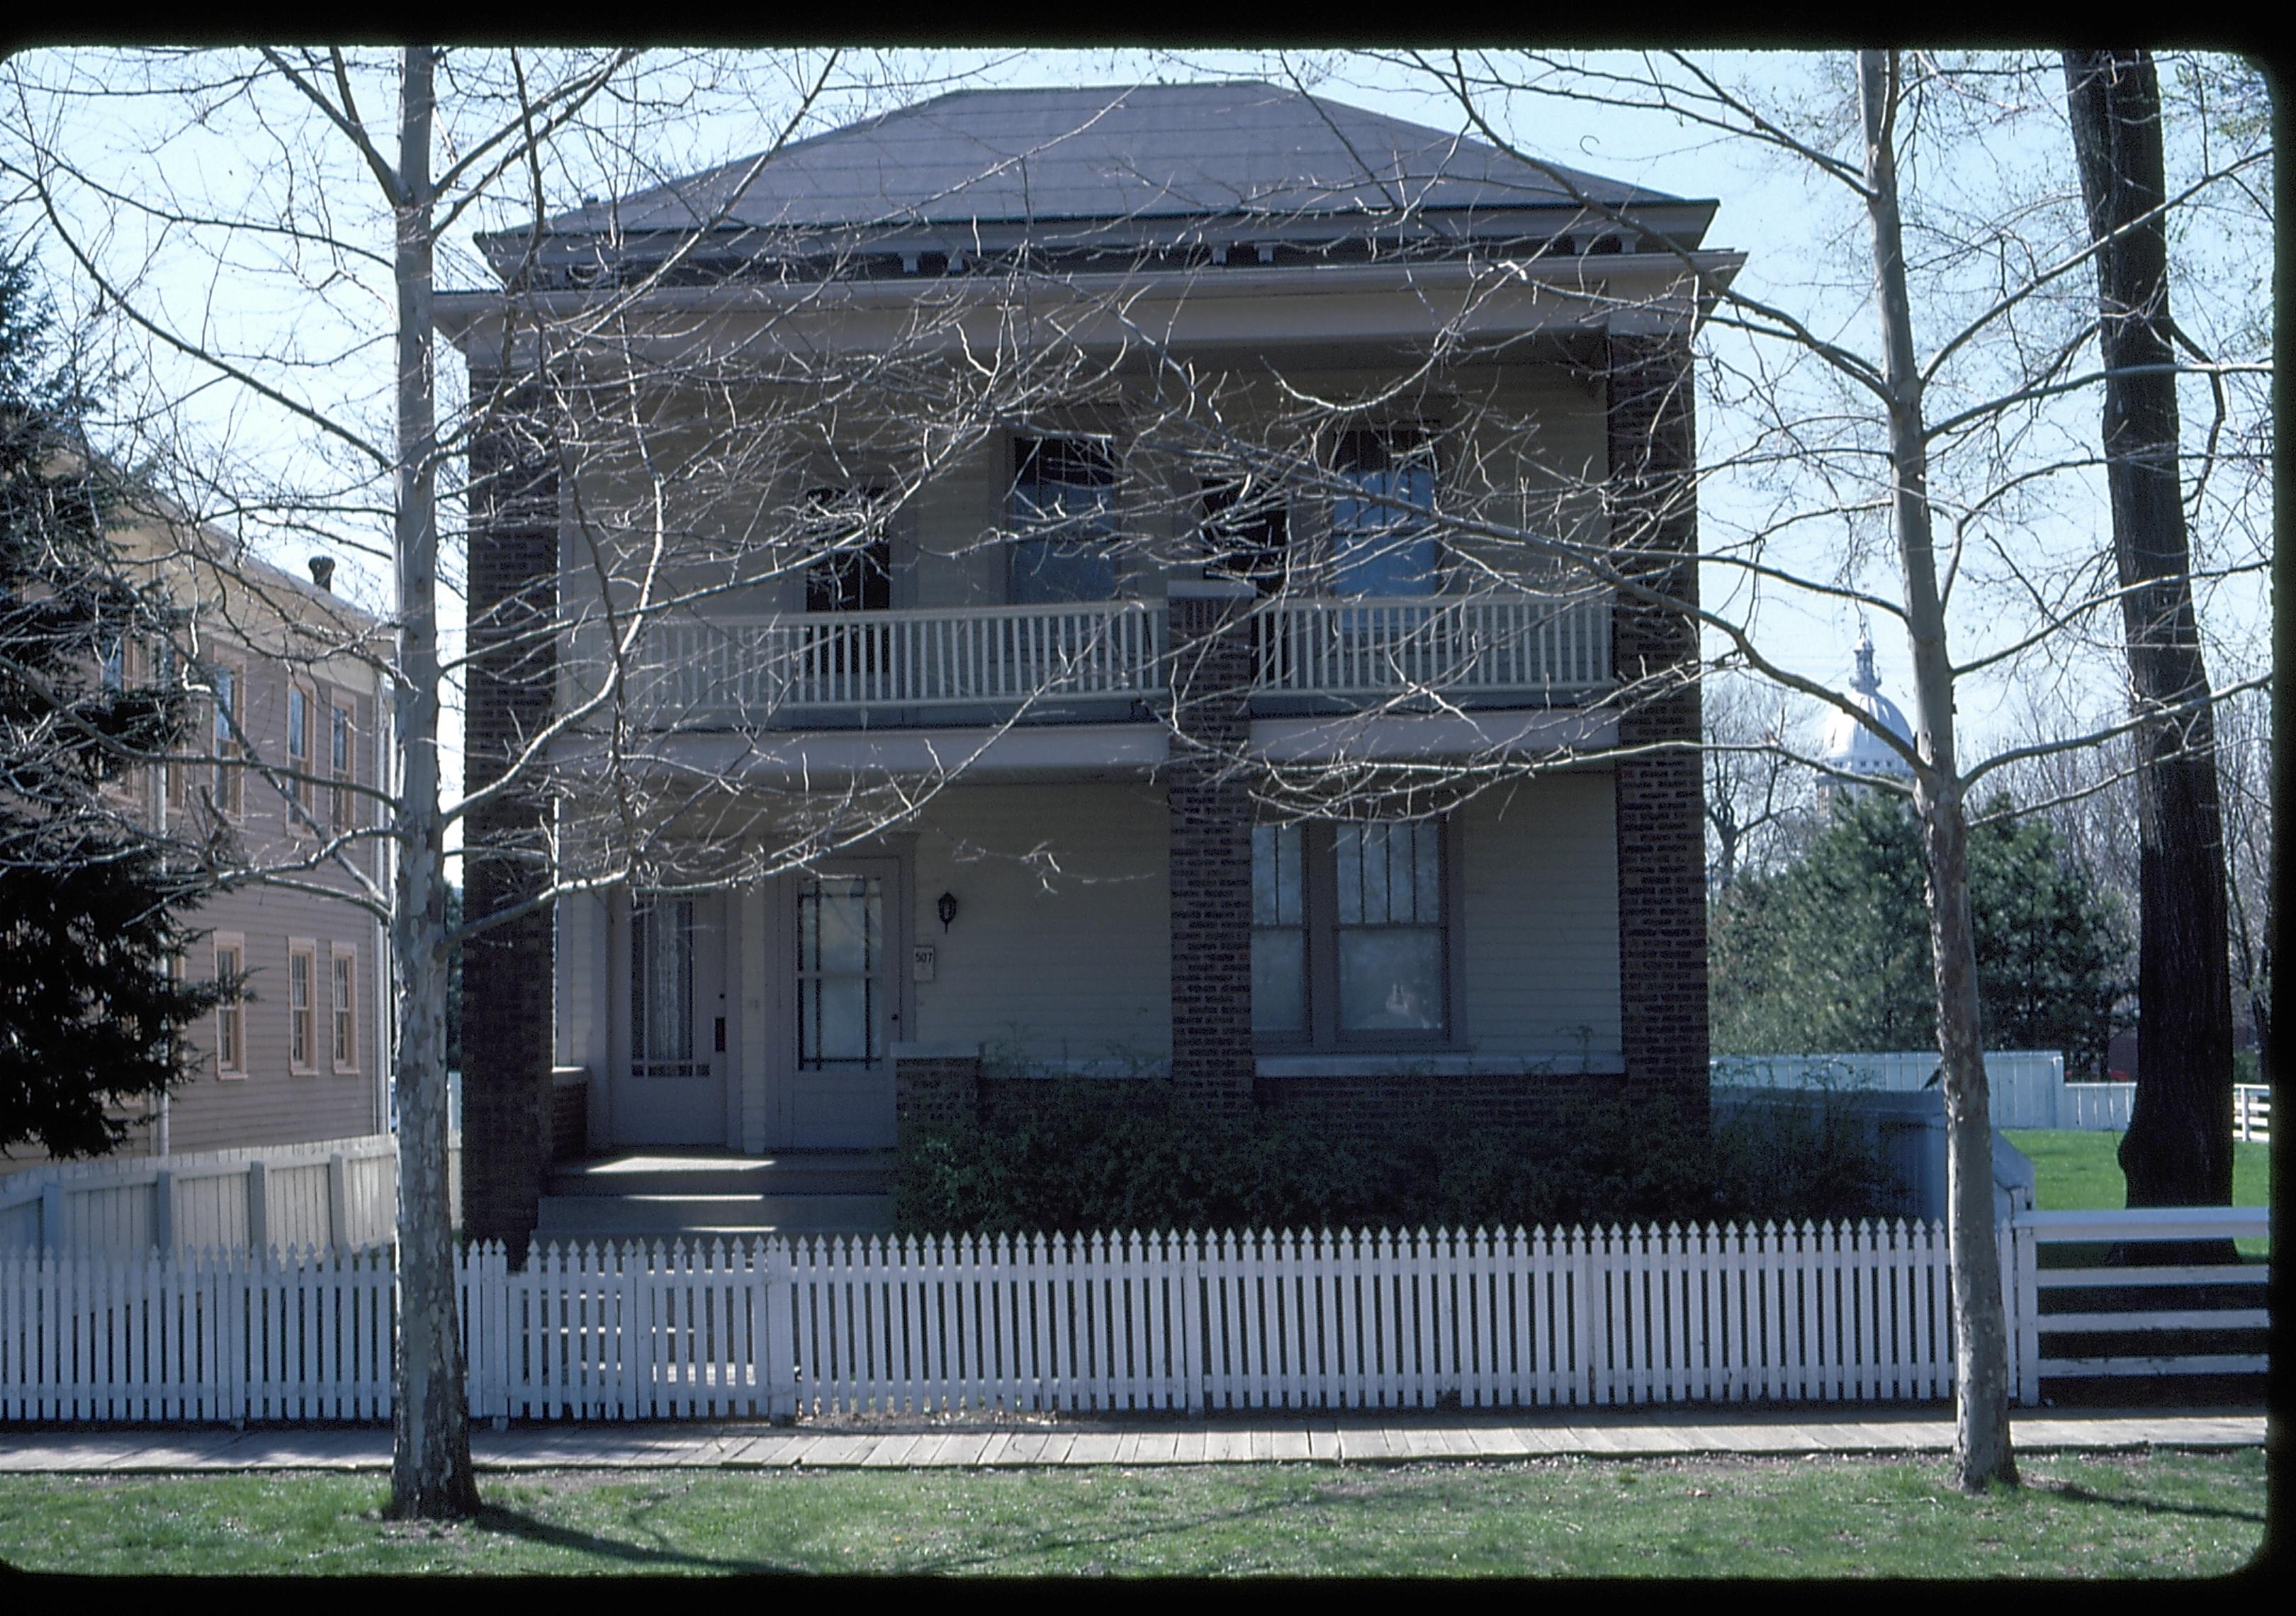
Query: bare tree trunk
[[2177, 1150], [1981, 1448], [431, 1475]]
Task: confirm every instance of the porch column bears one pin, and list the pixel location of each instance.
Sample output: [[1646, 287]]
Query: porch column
[[1211, 844], [1654, 512], [508, 974]]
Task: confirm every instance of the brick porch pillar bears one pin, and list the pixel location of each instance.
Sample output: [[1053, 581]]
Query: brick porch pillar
[[508, 974], [1661, 835], [1211, 845]]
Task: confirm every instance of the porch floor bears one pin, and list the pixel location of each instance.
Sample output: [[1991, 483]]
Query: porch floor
[[656, 1193]]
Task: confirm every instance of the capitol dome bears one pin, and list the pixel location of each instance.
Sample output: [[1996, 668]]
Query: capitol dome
[[1850, 745]]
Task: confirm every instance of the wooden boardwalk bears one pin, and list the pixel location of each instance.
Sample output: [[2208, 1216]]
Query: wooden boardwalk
[[922, 1444]]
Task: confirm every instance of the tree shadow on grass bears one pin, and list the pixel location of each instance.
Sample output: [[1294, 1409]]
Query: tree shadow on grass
[[2074, 1492], [1161, 1528], [514, 1523]]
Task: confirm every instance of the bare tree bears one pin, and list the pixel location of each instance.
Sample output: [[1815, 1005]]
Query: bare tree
[[348, 150], [1872, 451]]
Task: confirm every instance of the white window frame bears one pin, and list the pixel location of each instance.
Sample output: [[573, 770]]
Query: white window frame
[[305, 949], [234, 1013], [342, 973]]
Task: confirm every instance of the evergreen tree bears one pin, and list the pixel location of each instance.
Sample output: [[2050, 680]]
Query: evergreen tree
[[1831, 953], [91, 917]]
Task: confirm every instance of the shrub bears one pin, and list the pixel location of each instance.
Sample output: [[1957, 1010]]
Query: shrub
[[1099, 1154]]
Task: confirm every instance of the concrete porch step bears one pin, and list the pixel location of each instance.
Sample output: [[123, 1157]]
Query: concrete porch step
[[783, 1173], [630, 1216]]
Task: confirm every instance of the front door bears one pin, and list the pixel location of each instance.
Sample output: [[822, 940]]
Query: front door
[[672, 1089], [848, 1004]]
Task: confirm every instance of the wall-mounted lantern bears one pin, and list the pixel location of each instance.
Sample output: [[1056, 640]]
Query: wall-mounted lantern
[[946, 907]]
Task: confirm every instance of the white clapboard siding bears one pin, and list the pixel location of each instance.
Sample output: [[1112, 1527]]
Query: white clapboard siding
[[1108, 1322]]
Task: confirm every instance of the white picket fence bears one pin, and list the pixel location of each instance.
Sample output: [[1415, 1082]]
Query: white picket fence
[[1178, 1322], [1482, 1319]]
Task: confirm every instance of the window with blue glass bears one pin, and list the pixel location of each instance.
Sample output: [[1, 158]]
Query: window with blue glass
[[1063, 510], [1382, 542]]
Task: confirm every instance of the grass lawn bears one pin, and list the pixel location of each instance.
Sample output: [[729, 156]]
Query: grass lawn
[[2077, 1172], [2155, 1514]]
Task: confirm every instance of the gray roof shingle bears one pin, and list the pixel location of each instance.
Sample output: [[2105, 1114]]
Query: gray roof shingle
[[1231, 150]]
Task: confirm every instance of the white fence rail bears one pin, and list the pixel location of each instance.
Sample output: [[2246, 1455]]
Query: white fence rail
[[326, 1192], [1513, 644], [2251, 1112], [2190, 1302], [743, 672]]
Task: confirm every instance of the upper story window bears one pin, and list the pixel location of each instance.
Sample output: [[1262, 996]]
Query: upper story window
[[1377, 547], [1063, 509], [299, 746], [851, 569], [340, 765], [229, 716], [1248, 531]]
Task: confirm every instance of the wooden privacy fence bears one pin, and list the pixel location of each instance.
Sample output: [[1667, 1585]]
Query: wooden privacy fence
[[1135, 1322], [1481, 1319], [325, 1192]]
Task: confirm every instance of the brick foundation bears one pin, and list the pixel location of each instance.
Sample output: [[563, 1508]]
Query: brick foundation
[[569, 1121], [509, 1104], [1210, 846]]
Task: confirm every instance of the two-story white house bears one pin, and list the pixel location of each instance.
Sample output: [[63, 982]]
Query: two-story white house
[[1101, 635]]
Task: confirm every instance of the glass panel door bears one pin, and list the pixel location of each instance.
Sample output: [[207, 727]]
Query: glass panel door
[[847, 1006]]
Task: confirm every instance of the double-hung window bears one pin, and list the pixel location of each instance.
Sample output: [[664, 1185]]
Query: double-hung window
[[302, 1007], [1247, 532], [299, 750], [1381, 544], [229, 779], [231, 1027], [1064, 515], [850, 554], [1352, 935], [339, 765], [343, 1022]]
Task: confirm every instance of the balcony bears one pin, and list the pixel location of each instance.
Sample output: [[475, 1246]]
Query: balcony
[[1105, 660], [1485, 651]]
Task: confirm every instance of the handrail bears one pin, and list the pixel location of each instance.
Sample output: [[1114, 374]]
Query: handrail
[[744, 671]]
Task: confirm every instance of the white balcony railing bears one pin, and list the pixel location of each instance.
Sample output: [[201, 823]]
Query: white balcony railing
[[740, 672], [1545, 645], [778, 671]]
